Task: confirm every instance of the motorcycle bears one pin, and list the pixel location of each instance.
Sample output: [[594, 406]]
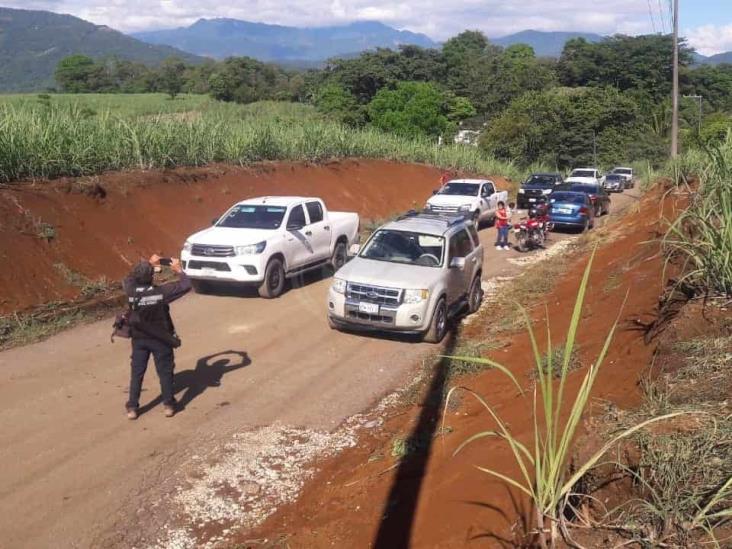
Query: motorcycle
[[531, 233]]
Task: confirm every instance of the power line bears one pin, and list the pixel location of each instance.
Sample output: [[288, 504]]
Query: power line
[[650, 13], [661, 17]]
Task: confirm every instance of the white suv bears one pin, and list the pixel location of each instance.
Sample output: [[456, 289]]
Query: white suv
[[412, 275]]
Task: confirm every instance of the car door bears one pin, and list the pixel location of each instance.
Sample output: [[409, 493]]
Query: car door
[[299, 246], [459, 276], [486, 191], [320, 231]]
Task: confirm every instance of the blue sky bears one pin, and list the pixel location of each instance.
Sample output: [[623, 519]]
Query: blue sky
[[707, 23]]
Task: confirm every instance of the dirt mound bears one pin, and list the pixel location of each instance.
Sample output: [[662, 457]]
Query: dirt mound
[[367, 497], [58, 238]]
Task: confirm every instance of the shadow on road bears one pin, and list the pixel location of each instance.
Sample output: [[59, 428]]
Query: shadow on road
[[208, 373], [397, 519], [233, 289]]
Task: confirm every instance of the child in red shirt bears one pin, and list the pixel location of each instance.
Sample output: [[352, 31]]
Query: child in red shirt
[[502, 226]]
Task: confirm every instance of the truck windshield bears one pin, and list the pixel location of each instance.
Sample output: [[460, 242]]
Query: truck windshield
[[424, 250], [583, 173], [623, 171], [545, 181], [250, 216], [460, 189]]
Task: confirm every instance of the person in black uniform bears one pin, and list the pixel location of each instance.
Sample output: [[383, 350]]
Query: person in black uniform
[[151, 329]]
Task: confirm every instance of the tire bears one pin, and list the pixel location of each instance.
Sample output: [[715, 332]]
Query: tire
[[274, 280], [522, 241], [438, 325], [339, 257], [475, 296]]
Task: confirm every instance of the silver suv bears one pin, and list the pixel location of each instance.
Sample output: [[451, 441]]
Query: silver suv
[[411, 276]]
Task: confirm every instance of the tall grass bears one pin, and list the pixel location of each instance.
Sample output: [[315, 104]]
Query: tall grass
[[543, 464], [702, 235], [41, 141]]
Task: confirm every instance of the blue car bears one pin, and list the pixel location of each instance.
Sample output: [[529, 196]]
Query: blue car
[[571, 209]]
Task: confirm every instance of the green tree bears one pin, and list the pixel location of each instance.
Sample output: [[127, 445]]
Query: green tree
[[170, 76], [335, 101], [558, 128], [412, 109], [74, 73]]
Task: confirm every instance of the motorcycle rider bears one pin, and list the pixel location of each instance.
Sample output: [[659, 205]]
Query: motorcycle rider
[[151, 329]]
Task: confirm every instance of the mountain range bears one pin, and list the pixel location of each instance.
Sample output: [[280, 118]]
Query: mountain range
[[33, 42], [220, 38]]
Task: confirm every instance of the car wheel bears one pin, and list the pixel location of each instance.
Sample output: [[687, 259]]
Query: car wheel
[[438, 326], [274, 280], [475, 296], [340, 254]]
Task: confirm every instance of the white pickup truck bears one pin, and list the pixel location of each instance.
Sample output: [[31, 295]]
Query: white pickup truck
[[478, 197], [263, 241], [589, 176]]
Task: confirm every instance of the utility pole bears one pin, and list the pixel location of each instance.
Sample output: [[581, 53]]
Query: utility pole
[[700, 99], [675, 114]]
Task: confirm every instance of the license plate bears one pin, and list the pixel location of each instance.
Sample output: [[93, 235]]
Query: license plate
[[532, 199], [517, 231], [564, 211], [368, 308], [208, 271]]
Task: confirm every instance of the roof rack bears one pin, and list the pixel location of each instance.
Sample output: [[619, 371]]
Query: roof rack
[[449, 219]]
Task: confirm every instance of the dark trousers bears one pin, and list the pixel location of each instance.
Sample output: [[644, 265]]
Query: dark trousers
[[164, 364]]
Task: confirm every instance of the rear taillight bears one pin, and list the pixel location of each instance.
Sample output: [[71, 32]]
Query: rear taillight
[[593, 198], [584, 211]]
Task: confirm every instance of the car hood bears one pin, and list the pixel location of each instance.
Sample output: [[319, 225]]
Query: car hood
[[389, 275], [451, 200], [592, 180], [225, 236]]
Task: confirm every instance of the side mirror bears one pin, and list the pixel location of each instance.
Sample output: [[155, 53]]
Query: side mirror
[[354, 250], [457, 263], [436, 191]]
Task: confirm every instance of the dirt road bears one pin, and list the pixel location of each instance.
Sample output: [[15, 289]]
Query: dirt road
[[75, 469]]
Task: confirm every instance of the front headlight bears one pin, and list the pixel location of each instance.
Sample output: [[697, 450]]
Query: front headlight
[[416, 296], [188, 246], [547, 191], [428, 206], [522, 191], [465, 208], [339, 285], [251, 249]]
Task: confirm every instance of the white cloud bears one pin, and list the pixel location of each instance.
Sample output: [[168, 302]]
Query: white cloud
[[711, 39], [438, 18]]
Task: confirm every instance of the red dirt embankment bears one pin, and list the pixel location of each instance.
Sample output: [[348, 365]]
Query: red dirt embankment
[[101, 226], [364, 498]]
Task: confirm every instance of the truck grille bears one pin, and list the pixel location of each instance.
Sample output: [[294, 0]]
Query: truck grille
[[203, 250], [215, 265], [391, 297], [444, 209]]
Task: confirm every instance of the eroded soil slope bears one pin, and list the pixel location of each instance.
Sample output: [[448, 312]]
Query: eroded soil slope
[[56, 236]]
